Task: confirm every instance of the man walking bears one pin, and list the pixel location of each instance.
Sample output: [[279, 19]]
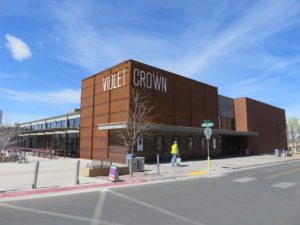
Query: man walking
[[174, 152]]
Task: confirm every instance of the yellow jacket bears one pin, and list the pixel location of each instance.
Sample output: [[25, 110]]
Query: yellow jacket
[[174, 149]]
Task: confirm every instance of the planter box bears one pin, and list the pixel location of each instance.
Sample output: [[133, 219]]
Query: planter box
[[88, 172]]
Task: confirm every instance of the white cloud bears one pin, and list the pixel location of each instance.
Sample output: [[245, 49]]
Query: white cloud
[[66, 96], [251, 28], [19, 49]]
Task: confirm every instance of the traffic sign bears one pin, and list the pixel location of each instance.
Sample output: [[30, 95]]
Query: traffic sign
[[210, 124], [208, 132]]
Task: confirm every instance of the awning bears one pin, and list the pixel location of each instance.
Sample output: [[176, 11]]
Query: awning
[[161, 127]]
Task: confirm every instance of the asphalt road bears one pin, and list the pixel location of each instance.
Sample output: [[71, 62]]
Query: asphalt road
[[261, 196]]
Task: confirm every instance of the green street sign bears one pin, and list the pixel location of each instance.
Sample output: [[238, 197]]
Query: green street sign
[[207, 124]]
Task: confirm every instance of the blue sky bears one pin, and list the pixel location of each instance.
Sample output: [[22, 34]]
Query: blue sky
[[246, 48]]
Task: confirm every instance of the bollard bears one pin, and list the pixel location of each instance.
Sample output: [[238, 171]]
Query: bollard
[[157, 159], [36, 171], [77, 172]]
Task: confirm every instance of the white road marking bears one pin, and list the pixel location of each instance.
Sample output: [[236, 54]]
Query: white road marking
[[156, 208], [26, 209], [244, 179], [283, 185], [99, 207]]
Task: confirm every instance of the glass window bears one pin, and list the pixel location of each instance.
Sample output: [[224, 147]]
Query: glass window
[[53, 125], [77, 121], [70, 123], [63, 124], [214, 143], [140, 144], [203, 143], [190, 143], [158, 143]]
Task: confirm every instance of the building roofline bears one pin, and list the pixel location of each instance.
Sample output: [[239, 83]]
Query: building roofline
[[51, 118], [131, 60], [251, 99]]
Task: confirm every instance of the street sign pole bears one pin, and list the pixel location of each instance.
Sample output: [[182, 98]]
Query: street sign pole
[[208, 133], [208, 157]]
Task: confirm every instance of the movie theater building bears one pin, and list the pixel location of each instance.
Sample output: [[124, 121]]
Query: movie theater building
[[182, 104]]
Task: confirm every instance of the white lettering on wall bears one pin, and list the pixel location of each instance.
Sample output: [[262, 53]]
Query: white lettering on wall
[[149, 80], [114, 80]]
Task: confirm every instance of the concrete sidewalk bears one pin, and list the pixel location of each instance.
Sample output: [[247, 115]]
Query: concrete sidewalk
[[59, 174], [200, 167]]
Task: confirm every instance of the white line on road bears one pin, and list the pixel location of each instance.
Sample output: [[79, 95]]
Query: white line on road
[[283, 185], [99, 207], [244, 179], [156, 208], [56, 214]]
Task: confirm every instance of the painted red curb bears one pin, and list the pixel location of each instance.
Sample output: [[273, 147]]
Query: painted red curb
[[62, 189]]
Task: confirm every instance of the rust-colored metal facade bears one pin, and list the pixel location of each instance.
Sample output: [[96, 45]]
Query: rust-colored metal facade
[[269, 121], [180, 102]]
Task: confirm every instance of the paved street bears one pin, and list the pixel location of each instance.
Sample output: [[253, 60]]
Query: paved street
[[268, 196]]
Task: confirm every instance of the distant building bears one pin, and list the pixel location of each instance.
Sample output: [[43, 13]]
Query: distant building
[[1, 115], [60, 133]]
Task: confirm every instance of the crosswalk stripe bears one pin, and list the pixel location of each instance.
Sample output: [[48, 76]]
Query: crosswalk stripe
[[283, 185], [244, 179]]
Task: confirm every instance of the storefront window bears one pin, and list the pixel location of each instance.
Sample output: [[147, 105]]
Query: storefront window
[[203, 143], [158, 143], [214, 143], [63, 124], [190, 143], [140, 144]]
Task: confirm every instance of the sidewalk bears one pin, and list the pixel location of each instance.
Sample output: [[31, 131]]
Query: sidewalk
[[59, 174], [199, 167]]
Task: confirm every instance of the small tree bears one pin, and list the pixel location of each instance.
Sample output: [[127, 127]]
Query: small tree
[[141, 115], [8, 135], [293, 131]]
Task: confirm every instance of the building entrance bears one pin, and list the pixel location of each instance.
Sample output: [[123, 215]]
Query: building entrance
[[233, 145]]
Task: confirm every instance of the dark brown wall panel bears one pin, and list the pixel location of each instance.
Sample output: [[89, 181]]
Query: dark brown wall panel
[[87, 92], [240, 111], [120, 93], [119, 116], [86, 112], [100, 133], [268, 120], [101, 98], [86, 121], [101, 109], [101, 119], [87, 83], [85, 132], [87, 102], [119, 105], [97, 107], [176, 106]]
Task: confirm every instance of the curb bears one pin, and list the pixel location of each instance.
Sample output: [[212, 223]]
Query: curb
[[262, 164], [65, 189]]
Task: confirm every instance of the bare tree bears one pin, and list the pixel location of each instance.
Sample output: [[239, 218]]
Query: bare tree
[[141, 115], [8, 135], [293, 131]]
